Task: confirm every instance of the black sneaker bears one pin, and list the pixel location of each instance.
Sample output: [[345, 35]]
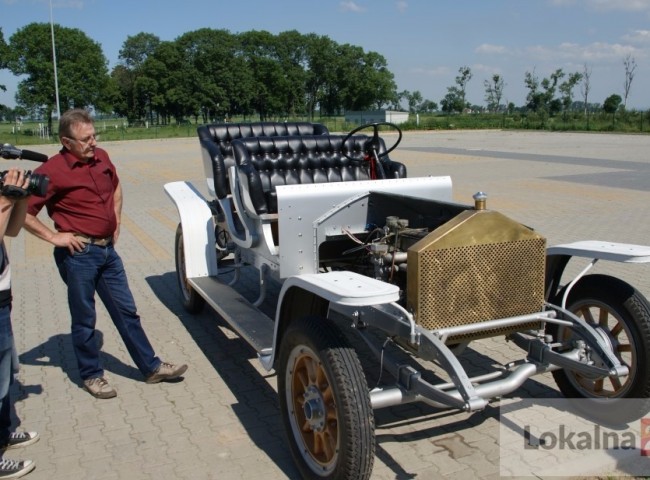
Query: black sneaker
[[20, 439], [15, 468]]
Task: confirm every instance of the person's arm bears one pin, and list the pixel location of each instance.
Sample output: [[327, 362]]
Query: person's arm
[[6, 208], [117, 199], [17, 218], [59, 239]]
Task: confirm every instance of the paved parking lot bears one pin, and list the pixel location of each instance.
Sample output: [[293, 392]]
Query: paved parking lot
[[222, 421]]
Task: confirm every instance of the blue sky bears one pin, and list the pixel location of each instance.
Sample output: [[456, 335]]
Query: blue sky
[[425, 42]]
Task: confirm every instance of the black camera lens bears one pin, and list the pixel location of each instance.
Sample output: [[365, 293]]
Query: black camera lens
[[36, 185]]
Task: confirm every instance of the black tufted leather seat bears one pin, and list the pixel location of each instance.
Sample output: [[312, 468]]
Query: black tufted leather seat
[[216, 140], [267, 162]]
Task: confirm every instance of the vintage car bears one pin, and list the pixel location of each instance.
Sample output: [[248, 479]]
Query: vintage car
[[364, 254]]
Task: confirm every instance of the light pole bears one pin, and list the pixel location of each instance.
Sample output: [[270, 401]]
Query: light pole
[[56, 79]]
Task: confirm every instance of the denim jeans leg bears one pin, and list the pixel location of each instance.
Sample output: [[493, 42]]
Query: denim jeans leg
[[6, 373], [80, 271], [113, 289]]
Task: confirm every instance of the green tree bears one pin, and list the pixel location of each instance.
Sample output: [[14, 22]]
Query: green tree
[[455, 100], [534, 98], [291, 52], [174, 97], [452, 102], [217, 73], [554, 105], [271, 86], [81, 66], [462, 79], [413, 99], [630, 66], [566, 89], [612, 104], [320, 86], [494, 92], [362, 80], [428, 106], [135, 51], [541, 94], [4, 56]]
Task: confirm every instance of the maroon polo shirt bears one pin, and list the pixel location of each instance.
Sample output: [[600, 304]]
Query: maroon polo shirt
[[80, 196]]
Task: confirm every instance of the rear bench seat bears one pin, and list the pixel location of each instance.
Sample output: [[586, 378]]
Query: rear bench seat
[[216, 145], [266, 162]]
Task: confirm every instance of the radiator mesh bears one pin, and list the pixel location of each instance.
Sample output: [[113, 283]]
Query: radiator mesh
[[455, 284]]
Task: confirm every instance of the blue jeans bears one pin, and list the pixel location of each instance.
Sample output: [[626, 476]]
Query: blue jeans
[[100, 269], [7, 359]]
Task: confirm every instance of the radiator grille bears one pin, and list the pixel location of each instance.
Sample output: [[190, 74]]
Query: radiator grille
[[460, 278]]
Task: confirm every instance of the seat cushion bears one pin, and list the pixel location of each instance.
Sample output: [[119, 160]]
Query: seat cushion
[[267, 162], [216, 143]]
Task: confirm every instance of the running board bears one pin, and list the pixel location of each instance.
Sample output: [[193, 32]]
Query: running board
[[251, 324]]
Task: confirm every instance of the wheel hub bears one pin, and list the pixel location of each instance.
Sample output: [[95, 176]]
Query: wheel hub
[[314, 408]]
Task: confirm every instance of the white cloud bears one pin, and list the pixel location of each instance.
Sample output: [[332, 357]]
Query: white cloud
[[350, 6], [625, 5], [402, 5], [573, 52], [432, 72], [485, 69], [607, 5], [491, 49], [638, 36]]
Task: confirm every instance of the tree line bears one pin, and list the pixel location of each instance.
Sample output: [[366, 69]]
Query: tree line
[[207, 74], [212, 75]]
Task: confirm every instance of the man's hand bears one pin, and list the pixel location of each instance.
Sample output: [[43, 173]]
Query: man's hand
[[68, 240]]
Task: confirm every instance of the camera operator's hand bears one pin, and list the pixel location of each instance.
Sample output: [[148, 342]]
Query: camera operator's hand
[[14, 185]]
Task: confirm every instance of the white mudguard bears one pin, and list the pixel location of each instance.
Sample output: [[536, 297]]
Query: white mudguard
[[198, 229], [599, 250]]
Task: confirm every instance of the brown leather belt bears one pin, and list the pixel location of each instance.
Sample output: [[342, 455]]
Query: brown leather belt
[[100, 242]]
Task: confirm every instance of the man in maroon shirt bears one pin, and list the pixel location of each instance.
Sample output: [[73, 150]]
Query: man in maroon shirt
[[84, 199]]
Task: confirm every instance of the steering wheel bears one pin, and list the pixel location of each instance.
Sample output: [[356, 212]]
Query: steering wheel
[[374, 142]]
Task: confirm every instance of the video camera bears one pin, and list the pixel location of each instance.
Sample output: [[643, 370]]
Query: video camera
[[37, 183]]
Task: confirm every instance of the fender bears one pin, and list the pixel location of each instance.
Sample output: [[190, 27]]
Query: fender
[[558, 256], [198, 229], [334, 288]]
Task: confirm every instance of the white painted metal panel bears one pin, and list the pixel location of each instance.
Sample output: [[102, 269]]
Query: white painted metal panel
[[300, 205], [616, 252], [198, 229]]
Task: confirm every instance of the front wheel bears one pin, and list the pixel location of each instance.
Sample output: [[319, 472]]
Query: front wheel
[[192, 301], [621, 316], [325, 402]]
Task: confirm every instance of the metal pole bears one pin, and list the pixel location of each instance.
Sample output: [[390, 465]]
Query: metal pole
[[56, 79]]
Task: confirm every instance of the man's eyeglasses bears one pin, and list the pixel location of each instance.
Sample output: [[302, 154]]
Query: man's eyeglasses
[[85, 140]]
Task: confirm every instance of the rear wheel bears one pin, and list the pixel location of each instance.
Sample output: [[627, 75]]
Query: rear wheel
[[621, 316], [325, 402], [222, 238], [192, 301]]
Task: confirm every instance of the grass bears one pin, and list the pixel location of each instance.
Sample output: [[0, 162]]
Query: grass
[[117, 129]]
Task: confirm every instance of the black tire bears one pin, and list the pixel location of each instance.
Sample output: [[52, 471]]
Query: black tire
[[222, 238], [192, 301], [325, 402], [621, 315]]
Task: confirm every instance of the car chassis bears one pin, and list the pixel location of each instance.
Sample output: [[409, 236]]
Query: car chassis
[[395, 260]]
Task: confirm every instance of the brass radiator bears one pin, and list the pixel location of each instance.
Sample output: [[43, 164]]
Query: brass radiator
[[479, 266]]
